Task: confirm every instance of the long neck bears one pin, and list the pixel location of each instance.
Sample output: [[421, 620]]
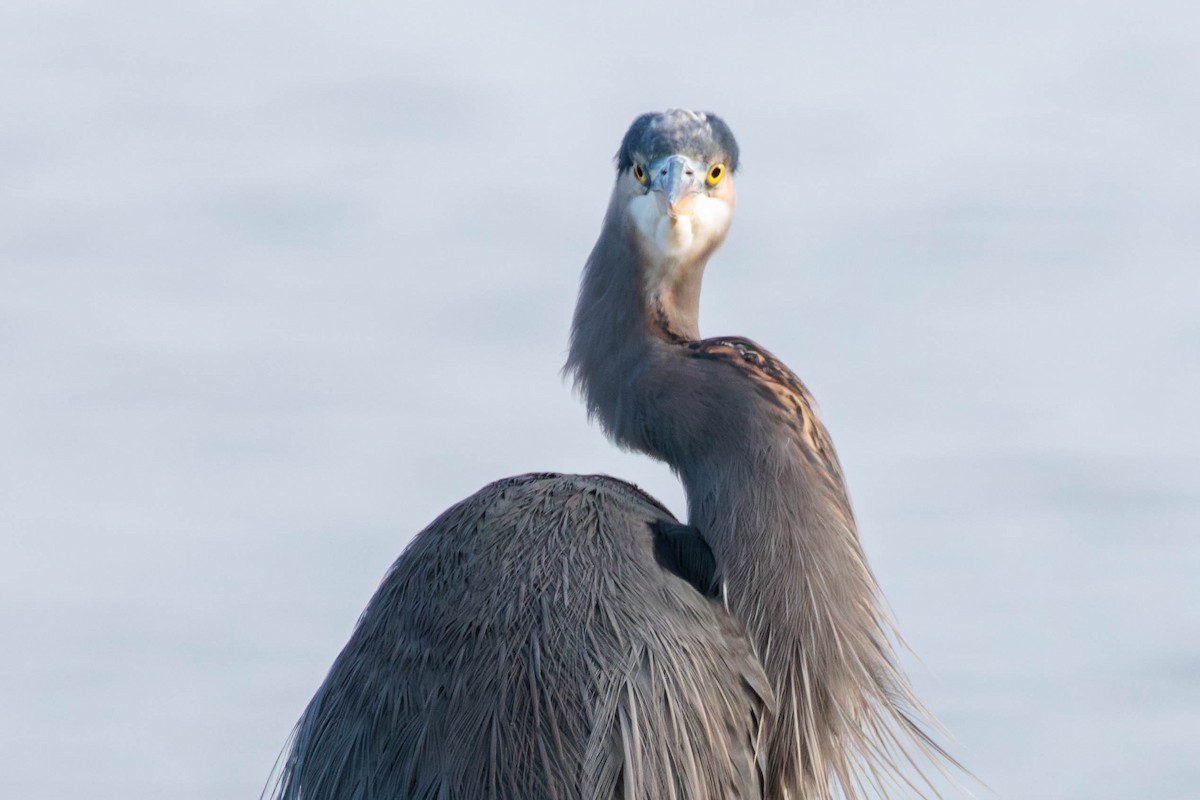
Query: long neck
[[781, 531], [629, 310]]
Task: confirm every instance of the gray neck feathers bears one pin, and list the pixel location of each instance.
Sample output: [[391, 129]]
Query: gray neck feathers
[[608, 337], [798, 580], [625, 315]]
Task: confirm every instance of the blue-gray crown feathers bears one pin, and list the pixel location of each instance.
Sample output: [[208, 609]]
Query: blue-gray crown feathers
[[701, 135]]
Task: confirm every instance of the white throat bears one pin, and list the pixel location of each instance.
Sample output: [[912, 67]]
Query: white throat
[[673, 253], [669, 241]]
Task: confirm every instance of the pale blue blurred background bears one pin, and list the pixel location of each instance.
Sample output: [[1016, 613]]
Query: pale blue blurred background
[[279, 282]]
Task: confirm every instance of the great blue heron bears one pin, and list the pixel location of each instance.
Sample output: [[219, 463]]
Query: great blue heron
[[563, 636]]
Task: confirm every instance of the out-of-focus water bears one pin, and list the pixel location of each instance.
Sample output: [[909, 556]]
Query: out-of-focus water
[[279, 283]]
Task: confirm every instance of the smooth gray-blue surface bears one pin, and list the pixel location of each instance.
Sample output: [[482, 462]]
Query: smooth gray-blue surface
[[278, 284]]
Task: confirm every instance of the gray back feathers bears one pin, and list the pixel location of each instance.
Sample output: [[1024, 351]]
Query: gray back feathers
[[529, 645]]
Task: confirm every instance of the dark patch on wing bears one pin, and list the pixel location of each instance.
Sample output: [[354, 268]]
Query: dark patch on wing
[[682, 550], [778, 385]]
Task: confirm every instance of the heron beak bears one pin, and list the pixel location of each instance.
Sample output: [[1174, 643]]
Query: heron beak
[[676, 181]]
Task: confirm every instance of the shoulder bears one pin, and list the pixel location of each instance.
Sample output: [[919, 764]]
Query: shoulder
[[751, 359], [787, 397]]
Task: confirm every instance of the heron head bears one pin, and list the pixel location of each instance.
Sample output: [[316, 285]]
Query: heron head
[[675, 171]]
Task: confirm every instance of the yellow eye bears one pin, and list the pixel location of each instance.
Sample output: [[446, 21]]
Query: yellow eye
[[715, 173], [639, 173]]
